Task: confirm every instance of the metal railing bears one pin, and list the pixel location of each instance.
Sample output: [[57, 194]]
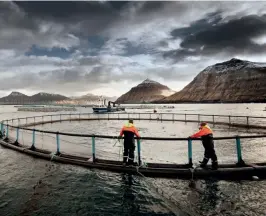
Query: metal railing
[[17, 124]]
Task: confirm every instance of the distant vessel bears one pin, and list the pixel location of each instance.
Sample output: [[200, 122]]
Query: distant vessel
[[102, 108]]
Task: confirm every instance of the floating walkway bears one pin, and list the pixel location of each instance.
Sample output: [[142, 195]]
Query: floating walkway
[[239, 170], [46, 109]]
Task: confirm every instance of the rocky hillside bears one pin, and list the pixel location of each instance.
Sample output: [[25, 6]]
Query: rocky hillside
[[19, 98], [46, 97], [231, 81], [146, 92], [15, 97], [92, 97], [88, 99]]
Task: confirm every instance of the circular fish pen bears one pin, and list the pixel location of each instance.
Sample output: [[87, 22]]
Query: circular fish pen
[[12, 132]]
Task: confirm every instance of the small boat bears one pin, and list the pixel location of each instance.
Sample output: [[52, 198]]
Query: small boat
[[102, 108], [107, 109]]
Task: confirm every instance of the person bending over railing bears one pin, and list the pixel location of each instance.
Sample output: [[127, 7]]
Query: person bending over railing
[[129, 131], [206, 135]]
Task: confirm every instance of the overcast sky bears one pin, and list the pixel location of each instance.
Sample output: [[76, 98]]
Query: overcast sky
[[106, 48]]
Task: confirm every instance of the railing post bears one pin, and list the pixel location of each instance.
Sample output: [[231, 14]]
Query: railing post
[[213, 119], [17, 134], [93, 149], [190, 153], [229, 120], [16, 142], [79, 116], [57, 144], [51, 118], [185, 117], [150, 116], [60, 118], [139, 152], [139, 116], [247, 121], [7, 131], [33, 140], [173, 117], [2, 129], [198, 117], [108, 116], [239, 153]]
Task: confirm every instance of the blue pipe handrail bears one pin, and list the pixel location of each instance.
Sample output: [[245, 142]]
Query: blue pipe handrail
[[142, 138], [182, 114]]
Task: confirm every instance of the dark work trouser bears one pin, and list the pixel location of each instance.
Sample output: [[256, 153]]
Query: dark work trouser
[[209, 153], [128, 156]]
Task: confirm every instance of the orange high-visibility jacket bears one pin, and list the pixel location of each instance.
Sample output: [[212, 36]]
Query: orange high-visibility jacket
[[205, 130], [131, 128]]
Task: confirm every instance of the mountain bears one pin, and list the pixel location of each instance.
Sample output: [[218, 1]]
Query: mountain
[[145, 92], [233, 81], [15, 97], [46, 97], [92, 97], [19, 98], [88, 99]]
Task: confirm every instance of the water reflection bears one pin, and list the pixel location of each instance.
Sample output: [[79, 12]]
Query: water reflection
[[129, 203], [205, 194], [210, 194]]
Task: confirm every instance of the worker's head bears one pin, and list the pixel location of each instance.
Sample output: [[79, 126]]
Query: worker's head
[[202, 124], [130, 121]]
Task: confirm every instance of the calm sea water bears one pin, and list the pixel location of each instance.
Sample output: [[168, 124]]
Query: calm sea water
[[31, 186]]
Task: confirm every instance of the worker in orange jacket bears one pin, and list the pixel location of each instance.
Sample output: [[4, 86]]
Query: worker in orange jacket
[[129, 131], [206, 134]]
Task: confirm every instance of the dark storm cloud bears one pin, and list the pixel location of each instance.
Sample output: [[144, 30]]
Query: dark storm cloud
[[11, 16], [208, 37], [71, 46], [70, 10], [204, 24], [235, 33], [152, 6], [82, 18]]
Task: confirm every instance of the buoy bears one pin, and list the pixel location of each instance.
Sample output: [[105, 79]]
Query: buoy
[[255, 177]]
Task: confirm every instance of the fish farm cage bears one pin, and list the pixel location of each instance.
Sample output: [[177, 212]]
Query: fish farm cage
[[238, 170]]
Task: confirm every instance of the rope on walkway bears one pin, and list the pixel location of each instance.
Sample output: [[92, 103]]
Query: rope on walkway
[[53, 154]]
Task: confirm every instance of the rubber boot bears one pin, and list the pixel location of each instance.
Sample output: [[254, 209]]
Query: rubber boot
[[204, 163], [215, 165]]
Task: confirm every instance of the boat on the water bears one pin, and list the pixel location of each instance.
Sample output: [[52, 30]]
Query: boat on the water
[[103, 108]]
